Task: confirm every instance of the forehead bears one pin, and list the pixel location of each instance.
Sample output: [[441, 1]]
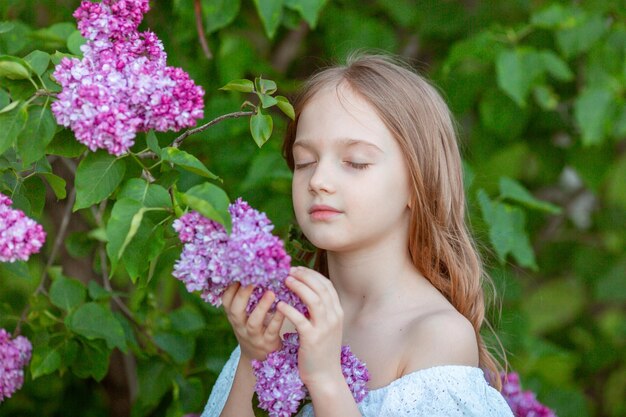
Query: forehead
[[338, 116]]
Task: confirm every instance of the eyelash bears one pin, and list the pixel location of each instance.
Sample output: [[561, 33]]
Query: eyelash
[[351, 164]]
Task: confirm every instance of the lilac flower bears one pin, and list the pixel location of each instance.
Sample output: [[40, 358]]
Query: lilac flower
[[211, 259], [522, 403], [122, 85], [278, 385], [14, 356], [20, 236], [355, 372]]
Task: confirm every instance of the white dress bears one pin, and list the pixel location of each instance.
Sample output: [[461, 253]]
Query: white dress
[[440, 391]]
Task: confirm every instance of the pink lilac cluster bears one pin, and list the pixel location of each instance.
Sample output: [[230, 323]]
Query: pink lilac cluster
[[14, 356], [522, 403], [20, 236], [278, 385], [122, 85], [212, 259]]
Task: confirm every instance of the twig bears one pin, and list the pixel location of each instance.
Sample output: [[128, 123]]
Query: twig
[[58, 241], [190, 132], [288, 48], [197, 8]]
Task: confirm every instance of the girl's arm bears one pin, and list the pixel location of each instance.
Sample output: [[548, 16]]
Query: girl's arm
[[256, 340], [319, 354]]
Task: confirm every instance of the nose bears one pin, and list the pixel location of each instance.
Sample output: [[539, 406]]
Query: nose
[[321, 180]]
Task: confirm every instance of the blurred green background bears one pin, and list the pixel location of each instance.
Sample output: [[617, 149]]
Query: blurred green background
[[539, 91]]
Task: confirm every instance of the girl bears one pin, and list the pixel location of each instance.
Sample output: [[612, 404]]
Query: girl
[[377, 187]]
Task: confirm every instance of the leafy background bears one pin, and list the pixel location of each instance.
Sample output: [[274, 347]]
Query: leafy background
[[538, 89]]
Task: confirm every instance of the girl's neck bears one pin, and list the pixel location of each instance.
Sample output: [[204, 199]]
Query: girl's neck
[[370, 278]]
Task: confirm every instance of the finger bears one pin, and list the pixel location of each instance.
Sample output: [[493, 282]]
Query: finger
[[275, 324], [256, 318], [240, 301], [300, 322], [229, 294], [312, 300], [318, 282]]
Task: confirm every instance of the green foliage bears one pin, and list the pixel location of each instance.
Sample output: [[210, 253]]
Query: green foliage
[[538, 89]]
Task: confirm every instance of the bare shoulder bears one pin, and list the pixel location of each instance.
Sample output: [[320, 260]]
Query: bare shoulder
[[440, 337]]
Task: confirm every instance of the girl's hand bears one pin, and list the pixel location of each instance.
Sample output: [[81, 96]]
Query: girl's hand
[[257, 334], [319, 355]]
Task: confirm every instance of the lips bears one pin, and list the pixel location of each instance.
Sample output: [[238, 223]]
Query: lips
[[323, 212]]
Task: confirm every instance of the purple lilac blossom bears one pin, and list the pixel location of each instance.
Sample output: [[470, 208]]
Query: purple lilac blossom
[[122, 84], [522, 403], [14, 356], [20, 236], [279, 387], [211, 259]]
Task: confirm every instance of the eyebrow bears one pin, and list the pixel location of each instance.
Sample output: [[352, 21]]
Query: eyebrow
[[305, 143]]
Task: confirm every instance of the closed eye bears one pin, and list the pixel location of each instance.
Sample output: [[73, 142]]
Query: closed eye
[[302, 165], [356, 165]]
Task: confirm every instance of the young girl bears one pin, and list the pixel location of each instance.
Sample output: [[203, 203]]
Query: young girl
[[377, 187]]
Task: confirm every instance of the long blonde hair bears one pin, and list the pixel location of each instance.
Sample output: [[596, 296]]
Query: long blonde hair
[[440, 244]]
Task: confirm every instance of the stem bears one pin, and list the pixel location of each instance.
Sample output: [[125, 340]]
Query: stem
[[197, 8], [58, 241], [190, 132], [179, 139]]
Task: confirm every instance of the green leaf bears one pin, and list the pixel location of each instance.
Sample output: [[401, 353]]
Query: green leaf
[[285, 106], [245, 86], [267, 100], [45, 360], [149, 195], [517, 70], [146, 245], [97, 292], [119, 227], [97, 176], [6, 27], [261, 126], [554, 304], [155, 379], [92, 360], [153, 143], [592, 112], [210, 201], [36, 134], [545, 97], [186, 161], [67, 293], [556, 66], [180, 347], [5, 99], [308, 9], [12, 123], [14, 68], [56, 183], [30, 196], [271, 13], [219, 13], [513, 190], [265, 86], [38, 61], [581, 35], [553, 16], [94, 321], [506, 231], [65, 144], [74, 42], [187, 320]]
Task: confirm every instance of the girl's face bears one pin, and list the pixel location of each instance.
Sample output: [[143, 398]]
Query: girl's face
[[351, 184]]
